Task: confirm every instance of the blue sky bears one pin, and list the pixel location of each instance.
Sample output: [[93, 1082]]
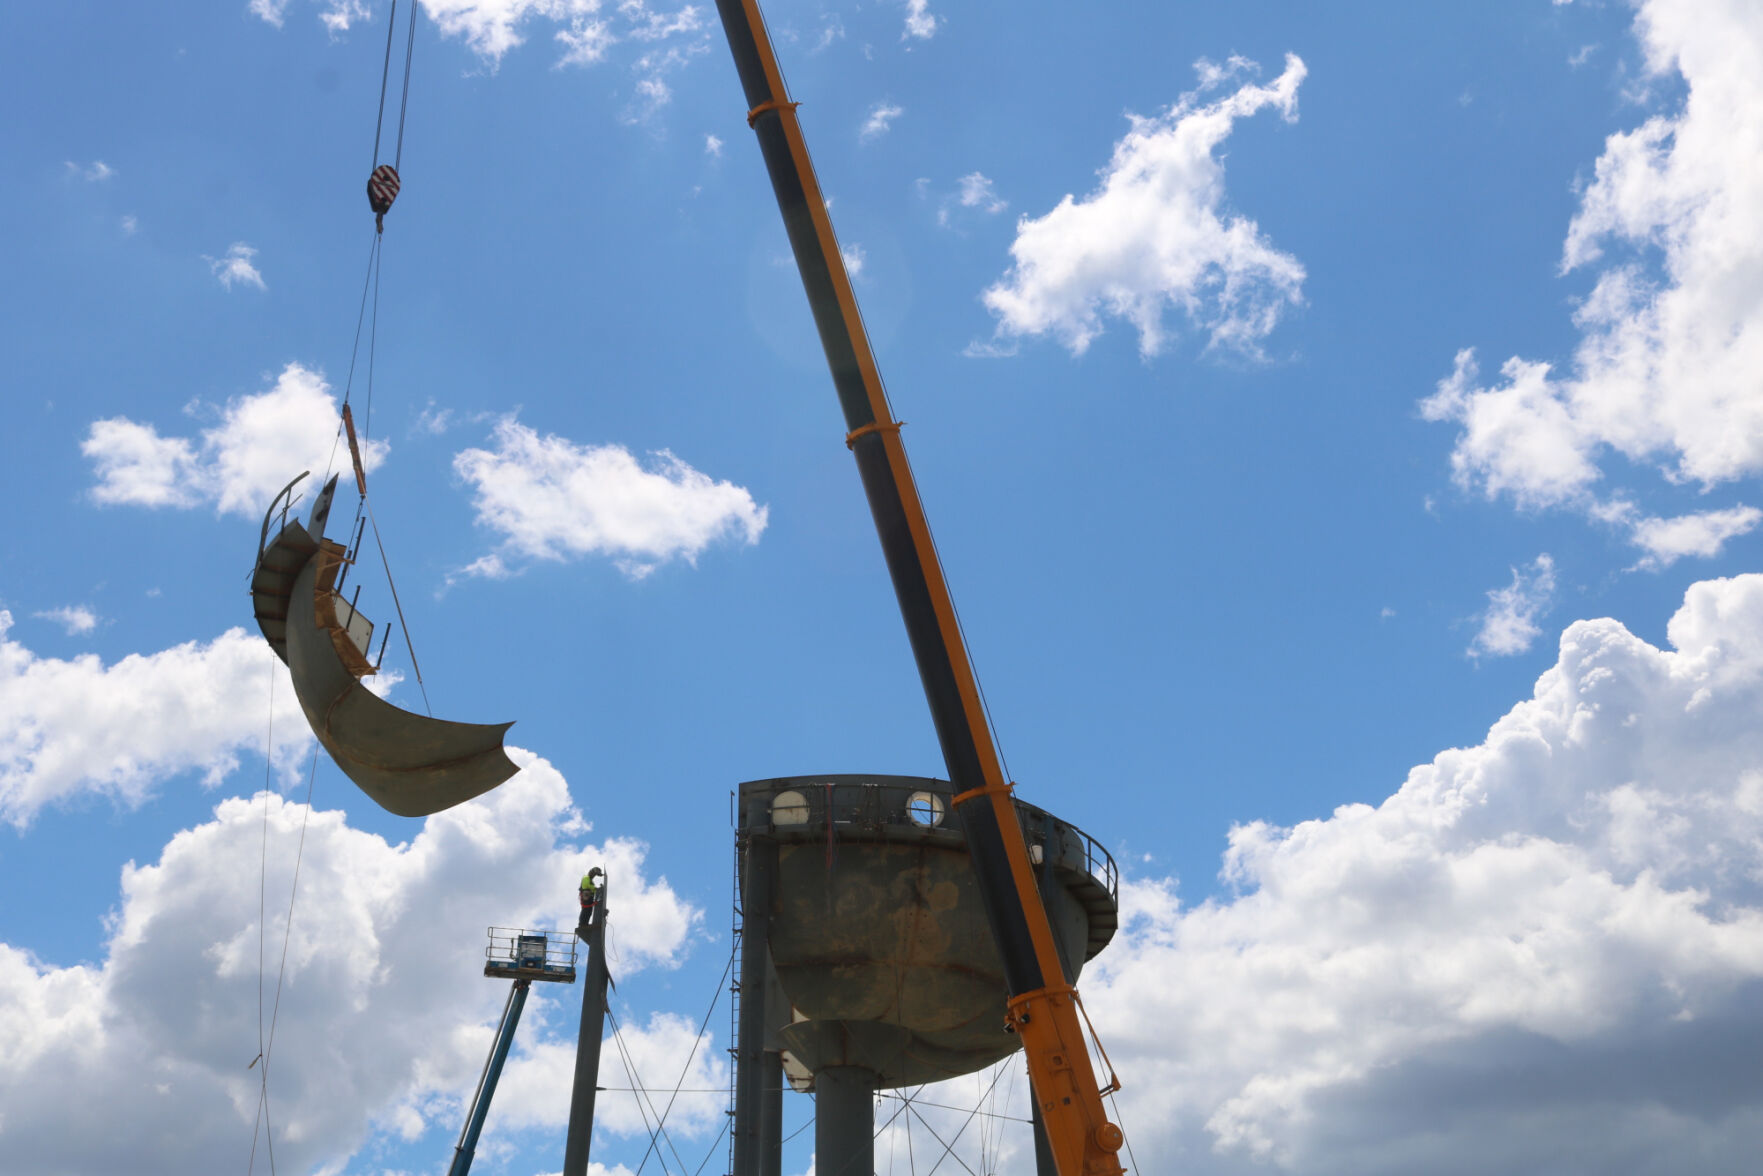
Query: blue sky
[[1298, 393]]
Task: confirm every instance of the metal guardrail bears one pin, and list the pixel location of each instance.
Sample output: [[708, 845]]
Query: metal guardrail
[[506, 944], [873, 806]]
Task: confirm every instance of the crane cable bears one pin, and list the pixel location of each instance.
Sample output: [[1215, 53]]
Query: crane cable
[[262, 1123], [382, 188]]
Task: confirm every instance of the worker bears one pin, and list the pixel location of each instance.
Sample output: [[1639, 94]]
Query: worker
[[589, 891]]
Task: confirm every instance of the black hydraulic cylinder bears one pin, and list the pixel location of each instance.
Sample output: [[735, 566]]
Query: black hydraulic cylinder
[[758, 870], [486, 1086], [844, 1121], [587, 1046]]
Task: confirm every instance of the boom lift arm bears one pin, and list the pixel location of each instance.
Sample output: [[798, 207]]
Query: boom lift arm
[[1043, 1004]]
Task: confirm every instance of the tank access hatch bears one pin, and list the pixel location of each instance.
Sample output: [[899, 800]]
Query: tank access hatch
[[409, 764]]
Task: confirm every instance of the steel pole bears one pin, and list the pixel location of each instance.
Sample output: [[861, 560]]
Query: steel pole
[[587, 1046]]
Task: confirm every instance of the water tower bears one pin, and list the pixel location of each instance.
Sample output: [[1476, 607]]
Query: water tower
[[866, 960]]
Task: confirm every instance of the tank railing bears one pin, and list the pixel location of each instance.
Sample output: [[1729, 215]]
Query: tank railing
[[1098, 863], [874, 806], [505, 944]]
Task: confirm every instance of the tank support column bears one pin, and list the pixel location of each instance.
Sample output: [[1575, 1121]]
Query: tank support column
[[486, 1084], [587, 1046], [752, 1075], [844, 1121], [1044, 1164], [771, 1113]]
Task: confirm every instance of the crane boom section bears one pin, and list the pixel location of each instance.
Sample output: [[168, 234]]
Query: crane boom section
[[1043, 1004]]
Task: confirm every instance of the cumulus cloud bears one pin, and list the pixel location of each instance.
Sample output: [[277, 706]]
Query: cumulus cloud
[[713, 146], [1671, 225], [236, 268], [881, 117], [552, 499], [261, 441], [1509, 625], [78, 727], [384, 1019], [75, 618], [1155, 234], [1549, 944], [920, 23]]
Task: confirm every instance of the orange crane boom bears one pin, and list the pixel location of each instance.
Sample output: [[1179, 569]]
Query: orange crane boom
[[1043, 1005]]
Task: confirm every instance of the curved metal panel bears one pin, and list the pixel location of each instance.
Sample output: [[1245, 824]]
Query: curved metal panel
[[410, 764]]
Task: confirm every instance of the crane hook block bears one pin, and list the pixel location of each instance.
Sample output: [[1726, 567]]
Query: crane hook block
[[382, 189], [410, 764]]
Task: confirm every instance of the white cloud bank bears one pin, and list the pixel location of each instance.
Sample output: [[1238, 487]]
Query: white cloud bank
[[138, 1063], [1543, 953], [1665, 372], [551, 499], [261, 442], [79, 728], [1155, 234]]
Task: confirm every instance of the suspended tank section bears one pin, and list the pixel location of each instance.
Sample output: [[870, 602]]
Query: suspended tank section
[[867, 961]]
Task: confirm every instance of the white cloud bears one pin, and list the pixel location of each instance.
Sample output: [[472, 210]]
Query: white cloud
[[853, 257], [552, 499], [977, 192], [832, 28], [1704, 533], [385, 1016], [1509, 625], [881, 117], [585, 42], [236, 268], [261, 442], [658, 26], [1549, 944], [713, 146], [75, 618], [77, 728], [129, 225], [95, 172], [920, 23], [1156, 234], [1664, 374], [972, 190]]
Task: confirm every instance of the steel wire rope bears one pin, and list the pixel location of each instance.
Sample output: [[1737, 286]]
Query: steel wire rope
[[660, 1128], [385, 73], [268, 1052], [715, 999], [262, 909], [404, 103], [949, 1146], [1000, 1116]]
